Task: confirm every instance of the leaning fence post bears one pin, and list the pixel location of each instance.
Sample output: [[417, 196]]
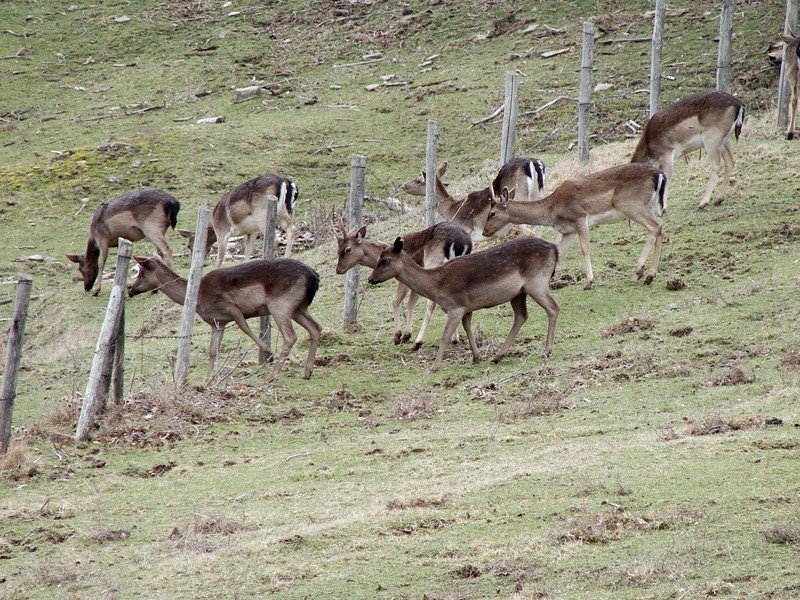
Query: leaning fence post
[[724, 53], [784, 93], [655, 56], [102, 362], [584, 98], [269, 252], [508, 140], [430, 174], [16, 334], [190, 300], [356, 219]]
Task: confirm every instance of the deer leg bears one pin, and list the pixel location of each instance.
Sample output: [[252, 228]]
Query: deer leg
[[249, 242], [397, 308], [518, 303], [466, 323], [412, 304], [222, 246], [655, 238], [289, 239], [540, 292], [564, 243], [790, 131], [582, 225], [453, 318], [304, 319], [101, 265], [715, 158], [729, 162], [213, 349], [284, 324]]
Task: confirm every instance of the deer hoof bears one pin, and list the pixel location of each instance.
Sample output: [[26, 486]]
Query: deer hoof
[[719, 201], [588, 285], [649, 279], [397, 338], [417, 346], [495, 359], [790, 135], [406, 337]]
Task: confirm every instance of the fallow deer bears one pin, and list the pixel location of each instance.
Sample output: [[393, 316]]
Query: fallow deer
[[470, 211], [705, 120], [146, 213], [281, 287], [507, 272], [633, 191], [243, 211], [791, 57], [429, 248]]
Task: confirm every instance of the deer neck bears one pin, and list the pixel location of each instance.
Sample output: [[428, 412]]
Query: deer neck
[[172, 285], [372, 251], [532, 213], [423, 281]]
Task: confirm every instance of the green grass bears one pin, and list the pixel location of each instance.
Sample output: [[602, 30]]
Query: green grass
[[652, 455]]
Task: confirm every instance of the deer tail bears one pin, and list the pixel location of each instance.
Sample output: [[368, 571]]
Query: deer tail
[[737, 127], [661, 190], [173, 206]]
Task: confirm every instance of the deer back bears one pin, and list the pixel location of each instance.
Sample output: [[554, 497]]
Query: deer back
[[525, 174], [243, 210], [680, 127], [129, 215], [257, 288]]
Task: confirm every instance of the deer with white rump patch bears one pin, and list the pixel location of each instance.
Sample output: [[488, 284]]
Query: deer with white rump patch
[[507, 272], [429, 248], [146, 213], [281, 287], [471, 210], [702, 121], [791, 58], [633, 191], [243, 211]]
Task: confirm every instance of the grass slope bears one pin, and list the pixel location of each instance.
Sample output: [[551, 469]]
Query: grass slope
[[653, 455]]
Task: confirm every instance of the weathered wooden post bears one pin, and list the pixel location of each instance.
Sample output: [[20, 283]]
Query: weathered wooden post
[[784, 94], [356, 219], [508, 140], [584, 96], [190, 301], [118, 366], [269, 252], [102, 363], [724, 54], [655, 56], [16, 335], [430, 174]]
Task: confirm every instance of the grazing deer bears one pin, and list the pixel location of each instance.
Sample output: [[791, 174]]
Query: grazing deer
[[633, 191], [243, 211], [791, 57], [136, 215], [429, 248], [704, 120], [507, 272], [470, 211], [281, 287]]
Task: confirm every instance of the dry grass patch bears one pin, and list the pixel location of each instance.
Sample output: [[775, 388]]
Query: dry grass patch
[[629, 325], [411, 408], [196, 536], [432, 502], [715, 423], [736, 376]]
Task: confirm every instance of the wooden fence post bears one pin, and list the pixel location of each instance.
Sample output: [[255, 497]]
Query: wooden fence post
[[655, 56], [102, 363], [508, 139], [356, 219], [430, 174], [16, 335], [269, 252], [190, 300], [724, 54], [784, 94], [584, 98]]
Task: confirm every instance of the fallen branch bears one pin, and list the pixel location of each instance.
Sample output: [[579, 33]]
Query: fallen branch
[[360, 63], [545, 106], [619, 40], [490, 117]]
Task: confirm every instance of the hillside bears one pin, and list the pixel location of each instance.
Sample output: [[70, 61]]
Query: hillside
[[652, 455]]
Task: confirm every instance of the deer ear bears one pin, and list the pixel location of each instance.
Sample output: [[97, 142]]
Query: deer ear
[[189, 235], [441, 170], [787, 38], [398, 245], [362, 233], [76, 258], [140, 259]]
